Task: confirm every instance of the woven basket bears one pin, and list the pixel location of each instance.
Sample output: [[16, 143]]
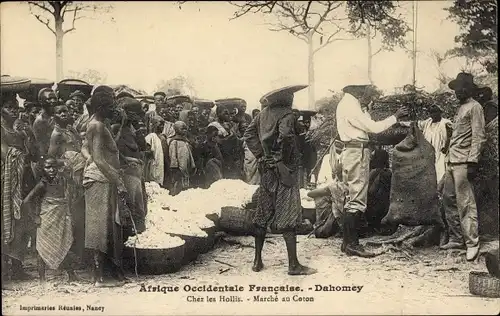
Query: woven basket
[[482, 284], [194, 246], [31, 94], [154, 261], [67, 86], [237, 221], [10, 84]]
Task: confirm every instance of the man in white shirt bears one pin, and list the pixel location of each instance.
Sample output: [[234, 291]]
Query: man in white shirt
[[353, 125]]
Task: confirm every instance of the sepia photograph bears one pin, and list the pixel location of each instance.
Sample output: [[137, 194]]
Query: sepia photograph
[[249, 158]]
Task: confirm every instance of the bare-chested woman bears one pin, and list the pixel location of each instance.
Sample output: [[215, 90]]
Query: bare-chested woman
[[103, 186], [17, 152]]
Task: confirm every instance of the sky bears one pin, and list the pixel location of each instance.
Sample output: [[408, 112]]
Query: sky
[[152, 41]]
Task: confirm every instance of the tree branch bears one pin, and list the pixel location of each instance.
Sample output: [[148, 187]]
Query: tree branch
[[378, 51], [304, 18], [39, 18], [73, 22], [331, 39], [40, 5]]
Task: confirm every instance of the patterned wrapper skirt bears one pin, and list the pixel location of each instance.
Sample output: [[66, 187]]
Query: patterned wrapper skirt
[[102, 229], [278, 206], [54, 237]]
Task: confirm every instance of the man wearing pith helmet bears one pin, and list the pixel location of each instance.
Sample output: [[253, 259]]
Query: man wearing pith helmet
[[353, 125]]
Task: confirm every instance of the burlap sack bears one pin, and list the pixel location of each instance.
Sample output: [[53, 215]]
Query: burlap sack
[[414, 196]]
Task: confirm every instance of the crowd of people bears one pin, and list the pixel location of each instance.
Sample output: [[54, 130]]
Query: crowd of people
[[78, 166], [74, 171]]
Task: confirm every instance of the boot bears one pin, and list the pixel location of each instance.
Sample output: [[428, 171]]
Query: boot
[[98, 267], [353, 248], [345, 233]]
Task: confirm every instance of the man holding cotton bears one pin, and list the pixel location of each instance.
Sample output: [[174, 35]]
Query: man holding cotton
[[353, 125]]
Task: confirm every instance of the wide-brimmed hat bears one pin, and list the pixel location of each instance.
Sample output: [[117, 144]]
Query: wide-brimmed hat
[[465, 80], [280, 94]]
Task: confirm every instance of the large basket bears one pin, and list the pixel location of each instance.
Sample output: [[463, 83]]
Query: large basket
[[231, 103], [31, 94], [193, 247], [210, 240], [154, 261], [310, 214], [236, 220], [208, 104], [10, 84], [483, 284], [67, 86]]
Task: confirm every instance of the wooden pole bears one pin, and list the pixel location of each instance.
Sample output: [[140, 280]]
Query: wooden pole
[[415, 25]]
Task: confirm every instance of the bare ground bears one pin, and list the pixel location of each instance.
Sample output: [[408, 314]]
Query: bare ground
[[411, 281]]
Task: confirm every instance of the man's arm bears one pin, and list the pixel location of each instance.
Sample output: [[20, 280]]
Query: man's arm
[[251, 137], [363, 122], [478, 134], [286, 133], [36, 193]]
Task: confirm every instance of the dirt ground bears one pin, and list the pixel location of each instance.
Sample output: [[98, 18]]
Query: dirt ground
[[412, 281]]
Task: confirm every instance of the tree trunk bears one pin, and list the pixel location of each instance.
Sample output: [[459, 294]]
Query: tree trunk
[[370, 53], [59, 49], [310, 67]]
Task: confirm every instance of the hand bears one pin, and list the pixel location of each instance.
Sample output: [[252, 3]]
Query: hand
[[402, 112], [122, 191], [37, 220], [471, 171], [124, 117]]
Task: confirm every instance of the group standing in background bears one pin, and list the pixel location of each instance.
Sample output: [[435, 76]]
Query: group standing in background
[[74, 171]]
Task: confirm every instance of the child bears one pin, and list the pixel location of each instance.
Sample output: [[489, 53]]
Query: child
[[181, 159], [54, 235]]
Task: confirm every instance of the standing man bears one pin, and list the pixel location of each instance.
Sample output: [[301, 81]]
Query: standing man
[[43, 125], [353, 125], [159, 100], [272, 139], [465, 146]]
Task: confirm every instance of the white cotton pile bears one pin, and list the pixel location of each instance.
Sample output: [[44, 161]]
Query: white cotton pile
[[185, 213], [151, 239], [154, 191], [235, 193], [160, 220], [306, 201]]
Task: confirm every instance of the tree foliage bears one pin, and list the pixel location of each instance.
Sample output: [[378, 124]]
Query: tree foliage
[[91, 76], [176, 86], [331, 20], [478, 31], [382, 18]]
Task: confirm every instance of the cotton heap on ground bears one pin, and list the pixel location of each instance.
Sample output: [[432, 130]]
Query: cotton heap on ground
[[186, 213]]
